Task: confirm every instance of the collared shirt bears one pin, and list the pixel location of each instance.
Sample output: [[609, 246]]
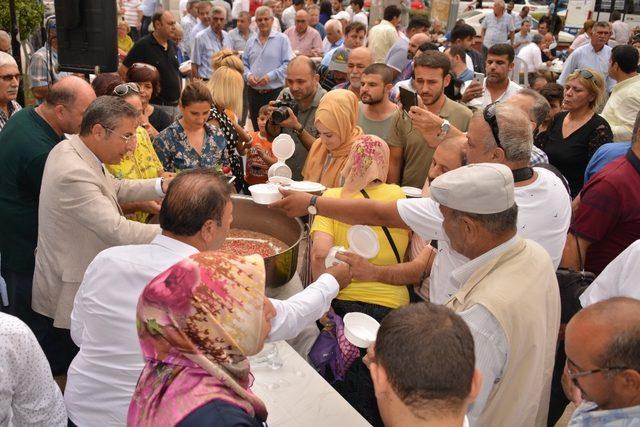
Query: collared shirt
[[205, 44], [13, 108], [306, 118], [149, 51], [466, 75], [188, 22], [327, 45], [497, 30], [149, 7], [484, 100], [39, 73], [603, 156], [587, 415], [306, 43], [397, 56], [587, 57], [622, 107], [544, 214], [131, 8], [618, 279], [490, 341], [103, 320], [521, 40], [538, 157], [381, 38], [238, 40], [580, 40], [289, 17], [28, 394], [270, 59]]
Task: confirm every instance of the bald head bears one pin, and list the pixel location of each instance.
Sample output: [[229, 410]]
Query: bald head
[[359, 59], [67, 100], [362, 55], [302, 21], [415, 42], [449, 155]]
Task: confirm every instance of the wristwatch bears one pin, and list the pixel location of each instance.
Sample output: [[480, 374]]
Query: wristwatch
[[298, 132], [312, 209], [444, 129]]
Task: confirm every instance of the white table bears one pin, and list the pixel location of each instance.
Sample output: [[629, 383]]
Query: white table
[[297, 396]]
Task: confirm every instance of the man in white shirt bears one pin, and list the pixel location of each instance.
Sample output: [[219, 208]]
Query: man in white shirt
[[531, 54], [28, 394], [384, 35], [624, 103], [618, 279], [357, 14], [496, 87], [289, 14], [594, 55], [195, 216], [189, 21], [522, 37]]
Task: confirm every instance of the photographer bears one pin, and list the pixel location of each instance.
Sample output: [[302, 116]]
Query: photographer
[[295, 110]]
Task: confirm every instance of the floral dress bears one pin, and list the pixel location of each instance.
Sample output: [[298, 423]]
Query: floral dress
[[230, 134], [143, 163], [176, 154]]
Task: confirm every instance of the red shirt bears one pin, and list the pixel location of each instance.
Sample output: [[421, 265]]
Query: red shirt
[[253, 174], [609, 212]]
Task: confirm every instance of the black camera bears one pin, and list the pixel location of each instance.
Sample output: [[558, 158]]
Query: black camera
[[280, 113]]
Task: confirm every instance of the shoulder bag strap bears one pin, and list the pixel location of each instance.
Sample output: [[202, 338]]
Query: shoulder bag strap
[[386, 233]]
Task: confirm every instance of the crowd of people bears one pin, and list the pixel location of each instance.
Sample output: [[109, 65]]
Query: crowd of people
[[499, 171]]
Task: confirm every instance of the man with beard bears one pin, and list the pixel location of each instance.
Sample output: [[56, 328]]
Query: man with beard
[[376, 111], [409, 151], [496, 87], [359, 59], [302, 85], [397, 58], [415, 42]]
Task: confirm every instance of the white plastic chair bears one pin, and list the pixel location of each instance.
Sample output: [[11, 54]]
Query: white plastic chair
[[520, 68]]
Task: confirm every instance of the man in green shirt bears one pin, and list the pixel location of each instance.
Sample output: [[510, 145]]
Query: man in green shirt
[[25, 143], [376, 113], [410, 153]]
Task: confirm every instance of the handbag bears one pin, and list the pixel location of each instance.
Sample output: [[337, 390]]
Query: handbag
[[572, 284], [332, 355]]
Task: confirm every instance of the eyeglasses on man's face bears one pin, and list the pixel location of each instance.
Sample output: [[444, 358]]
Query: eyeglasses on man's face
[[574, 376], [126, 137]]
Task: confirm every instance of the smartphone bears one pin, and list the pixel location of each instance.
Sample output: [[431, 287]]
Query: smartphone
[[478, 77], [408, 98]]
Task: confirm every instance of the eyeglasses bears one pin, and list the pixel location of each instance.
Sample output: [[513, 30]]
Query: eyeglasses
[[301, 21], [10, 77], [585, 74], [489, 115], [125, 138], [573, 376], [125, 88]]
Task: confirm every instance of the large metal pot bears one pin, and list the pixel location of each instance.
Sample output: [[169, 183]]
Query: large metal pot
[[248, 215]]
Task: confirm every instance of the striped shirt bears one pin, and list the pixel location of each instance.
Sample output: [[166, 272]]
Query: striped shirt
[[13, 107], [131, 8]]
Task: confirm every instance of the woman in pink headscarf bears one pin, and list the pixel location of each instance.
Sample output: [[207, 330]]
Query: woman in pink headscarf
[[197, 322]]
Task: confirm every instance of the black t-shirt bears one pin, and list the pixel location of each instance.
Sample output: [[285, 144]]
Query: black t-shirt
[[219, 413], [571, 155], [149, 51], [159, 119]]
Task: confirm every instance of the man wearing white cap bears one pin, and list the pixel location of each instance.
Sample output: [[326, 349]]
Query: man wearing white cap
[[502, 282]]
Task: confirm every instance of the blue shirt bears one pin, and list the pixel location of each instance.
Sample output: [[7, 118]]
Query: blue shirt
[[497, 30], [219, 413], [320, 28], [270, 59], [205, 44], [587, 415], [466, 75], [603, 155], [397, 55], [238, 40], [148, 7], [587, 57]]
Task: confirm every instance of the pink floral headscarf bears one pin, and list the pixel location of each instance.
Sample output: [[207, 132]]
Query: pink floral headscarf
[[368, 161], [197, 322]]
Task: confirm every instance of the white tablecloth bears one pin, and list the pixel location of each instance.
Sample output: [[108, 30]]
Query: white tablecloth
[[297, 396]]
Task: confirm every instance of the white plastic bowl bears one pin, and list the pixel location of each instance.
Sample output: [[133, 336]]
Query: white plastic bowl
[[265, 194], [360, 329], [331, 259], [412, 192]]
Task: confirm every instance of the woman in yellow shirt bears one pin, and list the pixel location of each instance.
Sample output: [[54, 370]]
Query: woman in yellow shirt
[[365, 172], [141, 163], [125, 43]]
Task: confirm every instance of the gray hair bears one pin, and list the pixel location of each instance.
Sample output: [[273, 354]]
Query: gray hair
[[499, 3], [541, 107], [218, 9], [313, 7], [333, 23], [602, 24], [516, 137], [6, 59], [537, 39], [107, 111], [262, 10], [244, 14], [497, 223]]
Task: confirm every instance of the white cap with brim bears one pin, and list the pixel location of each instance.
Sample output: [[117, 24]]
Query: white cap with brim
[[481, 188], [342, 15]]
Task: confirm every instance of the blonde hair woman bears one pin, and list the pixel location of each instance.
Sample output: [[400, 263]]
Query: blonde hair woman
[[228, 58], [226, 86], [577, 132]]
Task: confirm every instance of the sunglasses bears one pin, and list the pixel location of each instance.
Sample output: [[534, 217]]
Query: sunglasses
[[126, 88], [10, 77], [489, 115], [585, 74], [143, 65]]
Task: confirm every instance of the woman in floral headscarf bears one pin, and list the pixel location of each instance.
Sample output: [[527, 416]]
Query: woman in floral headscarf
[[197, 322], [336, 121], [364, 174]]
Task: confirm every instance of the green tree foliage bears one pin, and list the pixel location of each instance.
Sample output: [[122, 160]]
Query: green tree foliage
[[30, 16]]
